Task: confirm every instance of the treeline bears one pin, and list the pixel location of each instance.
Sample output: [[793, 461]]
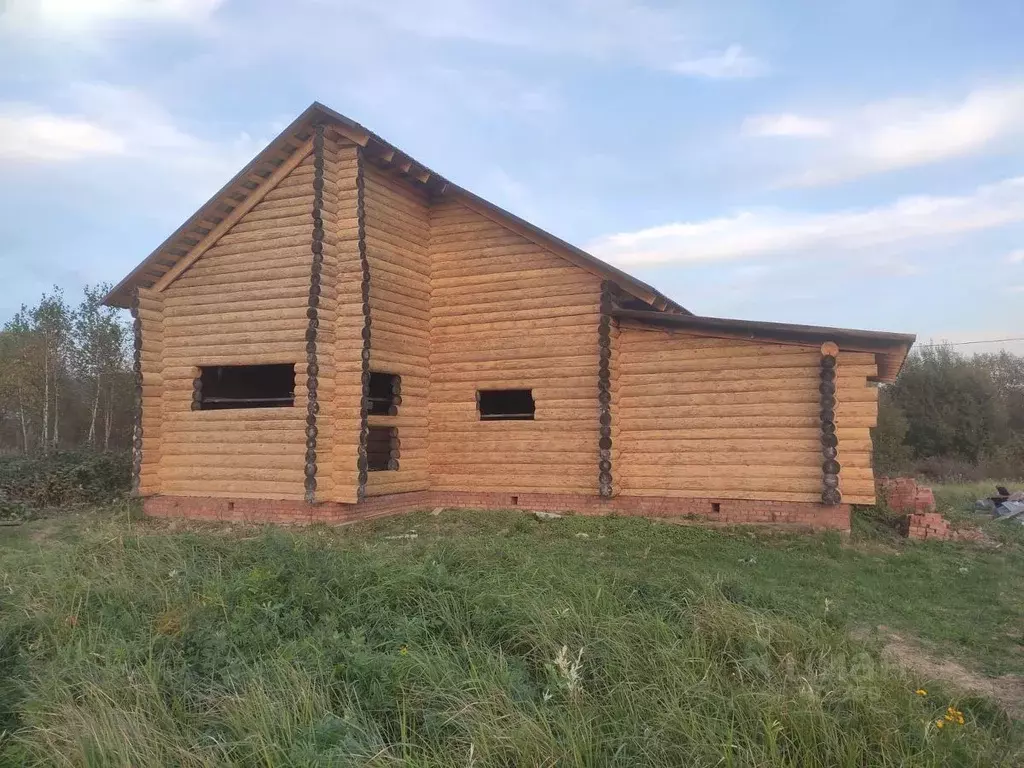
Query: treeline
[[952, 416], [65, 376]]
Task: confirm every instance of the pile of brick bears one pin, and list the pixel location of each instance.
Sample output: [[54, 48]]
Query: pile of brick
[[927, 525], [903, 494]]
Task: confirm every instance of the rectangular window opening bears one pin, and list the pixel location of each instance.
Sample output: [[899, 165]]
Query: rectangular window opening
[[506, 404], [382, 449], [220, 387], [385, 394]]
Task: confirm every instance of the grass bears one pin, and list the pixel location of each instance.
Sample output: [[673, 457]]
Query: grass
[[491, 639]]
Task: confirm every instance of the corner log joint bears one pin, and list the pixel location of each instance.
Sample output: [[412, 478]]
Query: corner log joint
[[313, 314], [830, 494]]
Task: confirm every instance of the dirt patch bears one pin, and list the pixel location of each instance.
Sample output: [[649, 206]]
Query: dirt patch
[[1007, 690]]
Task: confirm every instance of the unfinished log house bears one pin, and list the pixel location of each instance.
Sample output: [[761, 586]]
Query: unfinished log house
[[340, 333]]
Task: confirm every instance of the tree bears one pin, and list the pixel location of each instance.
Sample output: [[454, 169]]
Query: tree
[[100, 354], [52, 321], [60, 370], [20, 348], [951, 404], [891, 453]]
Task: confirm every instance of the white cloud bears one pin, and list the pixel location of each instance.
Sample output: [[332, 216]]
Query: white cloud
[[896, 134], [786, 125], [29, 134], [908, 222], [72, 17], [117, 125], [669, 38], [1015, 257], [731, 63]]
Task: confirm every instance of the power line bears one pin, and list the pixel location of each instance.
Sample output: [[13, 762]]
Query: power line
[[977, 341]]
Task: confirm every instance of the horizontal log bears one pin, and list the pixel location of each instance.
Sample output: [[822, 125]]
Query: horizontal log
[[397, 487], [201, 459], [276, 309], [469, 276], [442, 355], [767, 446], [187, 281], [247, 489], [654, 383], [243, 446], [472, 484], [197, 473], [497, 259], [498, 436], [637, 471], [291, 213], [499, 286]]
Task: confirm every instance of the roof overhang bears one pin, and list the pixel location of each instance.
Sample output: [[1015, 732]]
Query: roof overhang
[[382, 153], [890, 349]]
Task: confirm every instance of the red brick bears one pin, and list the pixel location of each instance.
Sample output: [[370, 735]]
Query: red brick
[[296, 512]]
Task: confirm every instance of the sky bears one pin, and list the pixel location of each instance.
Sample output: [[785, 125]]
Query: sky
[[856, 163]]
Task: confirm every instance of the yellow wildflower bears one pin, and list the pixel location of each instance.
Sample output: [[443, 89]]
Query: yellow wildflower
[[921, 692], [939, 724], [403, 651]]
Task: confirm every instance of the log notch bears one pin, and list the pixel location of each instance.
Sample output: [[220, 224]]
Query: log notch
[[137, 372], [830, 493], [312, 332], [362, 464], [604, 389]]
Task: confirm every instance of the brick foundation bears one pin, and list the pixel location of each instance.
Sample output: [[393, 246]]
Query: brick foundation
[[720, 511]]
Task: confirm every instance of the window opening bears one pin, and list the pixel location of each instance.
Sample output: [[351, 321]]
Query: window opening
[[382, 449], [385, 393], [220, 387], [506, 404]]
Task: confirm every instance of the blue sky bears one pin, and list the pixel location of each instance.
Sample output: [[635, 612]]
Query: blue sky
[[851, 163]]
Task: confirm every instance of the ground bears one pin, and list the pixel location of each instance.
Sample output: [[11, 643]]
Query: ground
[[483, 638]]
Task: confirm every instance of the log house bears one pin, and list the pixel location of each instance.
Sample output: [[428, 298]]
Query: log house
[[340, 333]]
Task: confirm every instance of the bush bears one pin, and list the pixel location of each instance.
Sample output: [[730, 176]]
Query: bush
[[64, 478]]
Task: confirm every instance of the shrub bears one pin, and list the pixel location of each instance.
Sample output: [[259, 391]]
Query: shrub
[[64, 478]]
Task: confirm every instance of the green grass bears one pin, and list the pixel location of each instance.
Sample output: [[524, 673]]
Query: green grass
[[490, 639]]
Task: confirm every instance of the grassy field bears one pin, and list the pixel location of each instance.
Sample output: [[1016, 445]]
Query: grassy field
[[492, 639]]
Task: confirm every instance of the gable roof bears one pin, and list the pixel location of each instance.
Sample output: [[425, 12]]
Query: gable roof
[[294, 139]]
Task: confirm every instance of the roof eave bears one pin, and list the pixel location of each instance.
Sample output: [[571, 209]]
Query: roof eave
[[893, 347]]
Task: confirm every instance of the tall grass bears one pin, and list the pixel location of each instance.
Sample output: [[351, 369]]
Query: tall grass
[[489, 640]]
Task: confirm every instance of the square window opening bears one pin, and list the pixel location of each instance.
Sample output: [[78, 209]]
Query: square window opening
[[382, 449], [221, 387], [506, 404], [385, 394]]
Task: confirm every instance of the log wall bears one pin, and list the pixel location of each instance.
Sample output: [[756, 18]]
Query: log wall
[[397, 225], [705, 417], [150, 317], [245, 301], [506, 313]]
